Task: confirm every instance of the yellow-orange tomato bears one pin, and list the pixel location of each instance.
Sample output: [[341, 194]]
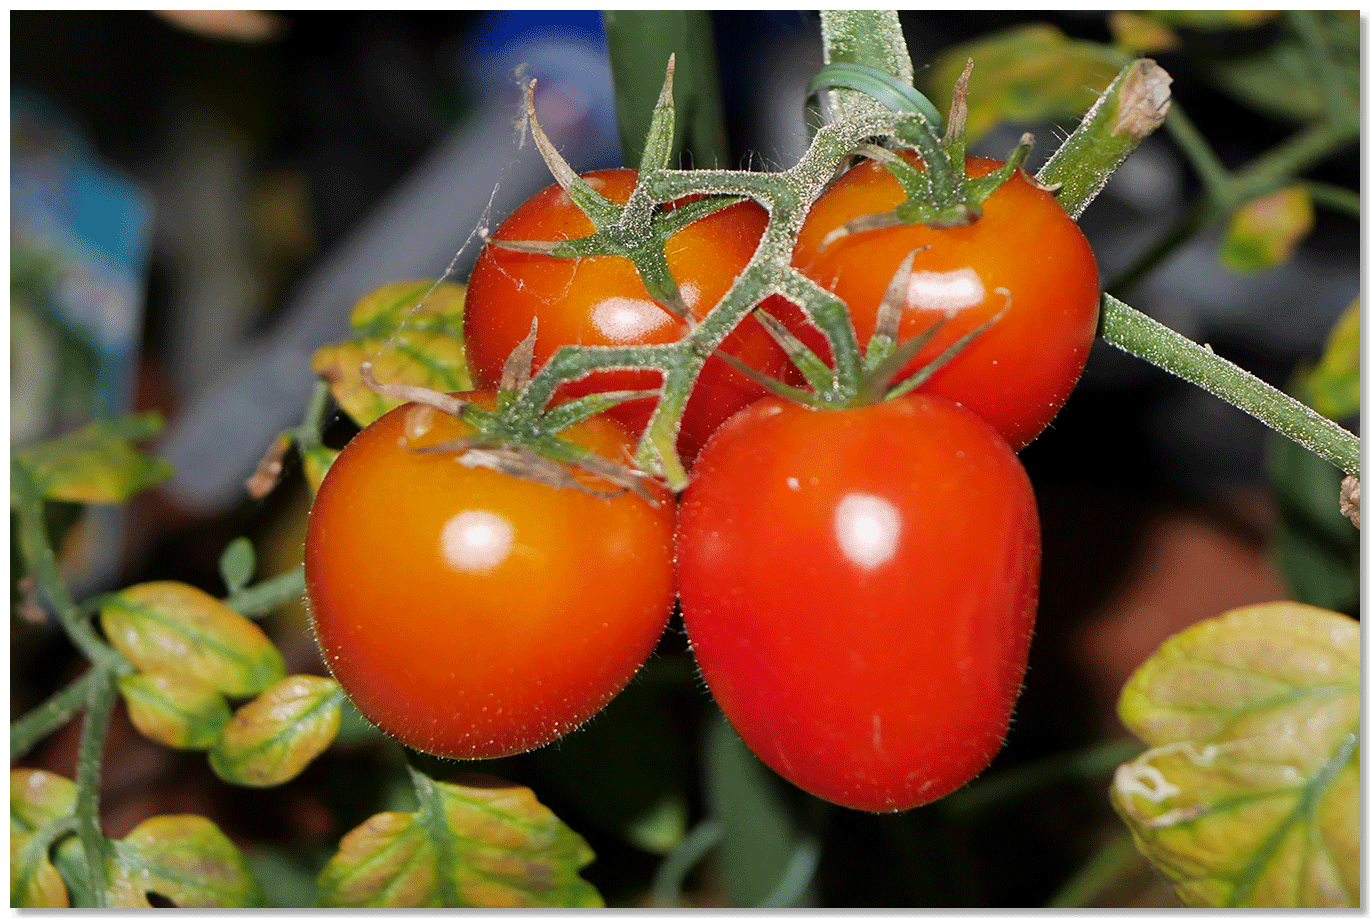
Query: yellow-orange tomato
[[1024, 252], [601, 301], [472, 614]]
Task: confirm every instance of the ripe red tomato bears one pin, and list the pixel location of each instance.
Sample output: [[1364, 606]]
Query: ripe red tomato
[[859, 587], [472, 614], [1024, 251], [602, 301]]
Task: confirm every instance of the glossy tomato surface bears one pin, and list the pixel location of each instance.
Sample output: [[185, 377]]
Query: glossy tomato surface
[[471, 614], [1024, 252], [602, 301], [859, 588]]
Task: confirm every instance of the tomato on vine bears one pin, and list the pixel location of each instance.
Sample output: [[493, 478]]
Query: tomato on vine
[[471, 613], [859, 587], [1023, 260], [602, 301]]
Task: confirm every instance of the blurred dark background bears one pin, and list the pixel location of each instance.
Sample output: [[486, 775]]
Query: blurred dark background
[[271, 168]]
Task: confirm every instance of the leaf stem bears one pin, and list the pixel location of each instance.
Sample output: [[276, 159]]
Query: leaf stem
[[676, 866], [262, 598], [41, 561], [1090, 762], [99, 707], [1142, 336], [61, 707], [1105, 866]]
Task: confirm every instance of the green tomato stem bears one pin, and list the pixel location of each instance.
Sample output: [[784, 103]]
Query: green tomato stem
[[1134, 105], [872, 38], [1140, 335]]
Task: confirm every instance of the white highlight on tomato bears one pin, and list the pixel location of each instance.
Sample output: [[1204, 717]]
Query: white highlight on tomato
[[476, 541], [623, 318], [867, 529], [947, 292]]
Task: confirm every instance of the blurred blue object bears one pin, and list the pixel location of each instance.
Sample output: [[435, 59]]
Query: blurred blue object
[[79, 244], [426, 228]]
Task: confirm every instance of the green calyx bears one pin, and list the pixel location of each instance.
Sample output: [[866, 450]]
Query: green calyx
[[636, 230], [863, 378], [939, 194]]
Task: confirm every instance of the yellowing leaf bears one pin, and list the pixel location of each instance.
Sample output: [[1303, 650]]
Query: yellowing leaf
[[173, 627], [1249, 796], [34, 882], [274, 737], [98, 463], [188, 860], [1140, 33], [410, 332], [39, 797], [1024, 74], [174, 709], [1264, 232], [37, 800], [1332, 388], [467, 845]]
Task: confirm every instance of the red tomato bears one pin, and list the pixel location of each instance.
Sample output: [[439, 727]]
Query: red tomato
[[602, 301], [859, 587], [471, 614], [1024, 251]]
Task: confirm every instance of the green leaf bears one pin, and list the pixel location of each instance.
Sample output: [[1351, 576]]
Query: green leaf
[[410, 332], [274, 737], [483, 845], [1280, 77], [1264, 232], [188, 860], [98, 463], [761, 836], [174, 709], [173, 627], [1024, 74], [1249, 795], [237, 563], [639, 43]]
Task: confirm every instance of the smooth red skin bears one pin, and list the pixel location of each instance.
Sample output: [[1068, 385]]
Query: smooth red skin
[[880, 687], [1020, 371], [508, 289], [479, 664]]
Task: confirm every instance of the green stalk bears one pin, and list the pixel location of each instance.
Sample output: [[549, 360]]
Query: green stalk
[[261, 598], [99, 708], [871, 38], [29, 730], [1140, 335], [1134, 105], [1091, 762], [41, 561], [640, 43]]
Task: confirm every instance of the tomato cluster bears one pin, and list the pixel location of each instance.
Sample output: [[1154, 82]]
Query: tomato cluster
[[858, 583]]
